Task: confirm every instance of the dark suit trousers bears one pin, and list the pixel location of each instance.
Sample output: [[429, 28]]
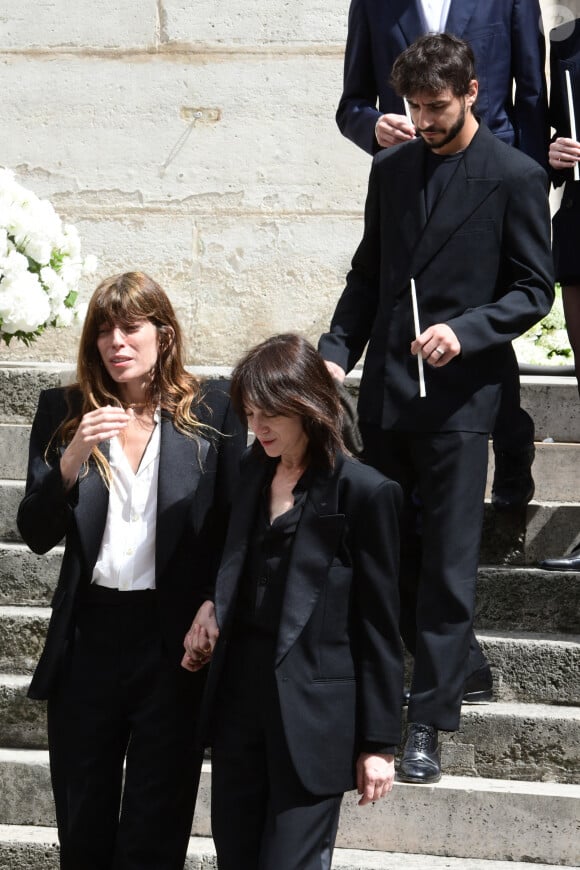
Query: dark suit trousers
[[514, 428], [262, 816], [119, 698], [443, 478]]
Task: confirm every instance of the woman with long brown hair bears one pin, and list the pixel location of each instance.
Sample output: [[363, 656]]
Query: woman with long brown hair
[[304, 691], [134, 466]]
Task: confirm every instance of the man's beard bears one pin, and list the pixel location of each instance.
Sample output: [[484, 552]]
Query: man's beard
[[454, 131]]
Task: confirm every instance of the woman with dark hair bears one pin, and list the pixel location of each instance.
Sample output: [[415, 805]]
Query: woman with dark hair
[[130, 466], [304, 691]]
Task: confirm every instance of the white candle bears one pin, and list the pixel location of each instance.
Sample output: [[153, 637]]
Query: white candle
[[422, 389], [572, 117]]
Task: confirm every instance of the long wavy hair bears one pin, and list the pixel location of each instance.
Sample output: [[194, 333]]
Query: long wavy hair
[[122, 300], [286, 375]]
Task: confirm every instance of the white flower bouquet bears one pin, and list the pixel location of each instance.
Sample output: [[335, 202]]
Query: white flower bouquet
[[547, 342], [40, 265]]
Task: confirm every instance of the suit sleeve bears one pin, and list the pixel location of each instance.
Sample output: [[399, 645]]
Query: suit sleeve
[[530, 103], [46, 509], [559, 115], [355, 313], [357, 111], [379, 654], [230, 444], [526, 280]]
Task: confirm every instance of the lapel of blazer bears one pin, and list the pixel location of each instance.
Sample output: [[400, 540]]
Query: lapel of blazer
[[404, 187], [240, 526], [410, 19], [460, 13], [315, 544], [181, 460], [467, 190], [91, 511]]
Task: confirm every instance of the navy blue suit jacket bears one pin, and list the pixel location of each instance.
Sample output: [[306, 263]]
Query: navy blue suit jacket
[[509, 48]]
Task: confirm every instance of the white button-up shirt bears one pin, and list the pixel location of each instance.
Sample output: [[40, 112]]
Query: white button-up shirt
[[435, 13], [126, 559]]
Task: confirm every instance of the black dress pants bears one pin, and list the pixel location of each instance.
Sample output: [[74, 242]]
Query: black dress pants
[[443, 478], [120, 700], [262, 816]]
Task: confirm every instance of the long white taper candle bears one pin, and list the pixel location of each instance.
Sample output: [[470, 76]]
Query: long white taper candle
[[422, 388], [572, 116]]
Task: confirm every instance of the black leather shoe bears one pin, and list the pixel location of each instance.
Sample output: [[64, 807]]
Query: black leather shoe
[[565, 563], [513, 484], [421, 762], [478, 685]]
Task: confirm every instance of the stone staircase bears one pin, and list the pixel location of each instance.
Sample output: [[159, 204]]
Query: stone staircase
[[510, 793]]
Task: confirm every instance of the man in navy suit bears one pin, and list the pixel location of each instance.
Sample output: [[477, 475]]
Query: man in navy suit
[[466, 216], [509, 49]]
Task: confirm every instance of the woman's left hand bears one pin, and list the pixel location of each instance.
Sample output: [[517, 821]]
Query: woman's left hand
[[375, 775], [201, 638]]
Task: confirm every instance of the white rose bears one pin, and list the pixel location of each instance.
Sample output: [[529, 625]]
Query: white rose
[[15, 263], [39, 249], [64, 316], [24, 306]]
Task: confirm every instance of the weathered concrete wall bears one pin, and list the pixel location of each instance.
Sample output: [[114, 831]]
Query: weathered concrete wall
[[196, 141]]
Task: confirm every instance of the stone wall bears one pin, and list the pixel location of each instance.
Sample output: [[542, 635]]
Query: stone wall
[[195, 140]]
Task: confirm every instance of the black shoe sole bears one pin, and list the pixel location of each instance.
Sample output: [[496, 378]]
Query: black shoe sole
[[478, 697], [428, 780]]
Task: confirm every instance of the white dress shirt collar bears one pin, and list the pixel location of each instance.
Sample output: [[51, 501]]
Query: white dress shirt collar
[[435, 13]]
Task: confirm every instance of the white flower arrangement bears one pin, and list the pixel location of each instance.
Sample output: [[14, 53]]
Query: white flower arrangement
[[40, 265], [546, 343]]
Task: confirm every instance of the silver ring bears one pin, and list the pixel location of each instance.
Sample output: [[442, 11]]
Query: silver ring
[[439, 351]]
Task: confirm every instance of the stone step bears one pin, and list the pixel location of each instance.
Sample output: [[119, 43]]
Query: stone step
[[498, 740], [551, 400], [525, 599], [511, 598], [543, 530], [479, 819], [556, 472], [534, 667], [36, 848], [14, 439], [523, 537], [26, 577], [527, 666], [555, 467]]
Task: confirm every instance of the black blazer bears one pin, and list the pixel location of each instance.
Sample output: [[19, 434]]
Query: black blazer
[[508, 47], [338, 663], [482, 264], [196, 480]]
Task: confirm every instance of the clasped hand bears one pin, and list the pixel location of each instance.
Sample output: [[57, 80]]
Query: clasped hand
[[200, 640]]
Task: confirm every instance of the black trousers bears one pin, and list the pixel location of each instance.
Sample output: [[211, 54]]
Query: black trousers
[[443, 477], [262, 816], [120, 700], [514, 428]]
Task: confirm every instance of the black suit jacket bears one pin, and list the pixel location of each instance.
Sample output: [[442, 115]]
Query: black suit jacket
[[338, 662], [509, 49], [482, 264], [196, 480]]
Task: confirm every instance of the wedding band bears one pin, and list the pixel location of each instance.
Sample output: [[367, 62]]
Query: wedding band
[[439, 351]]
